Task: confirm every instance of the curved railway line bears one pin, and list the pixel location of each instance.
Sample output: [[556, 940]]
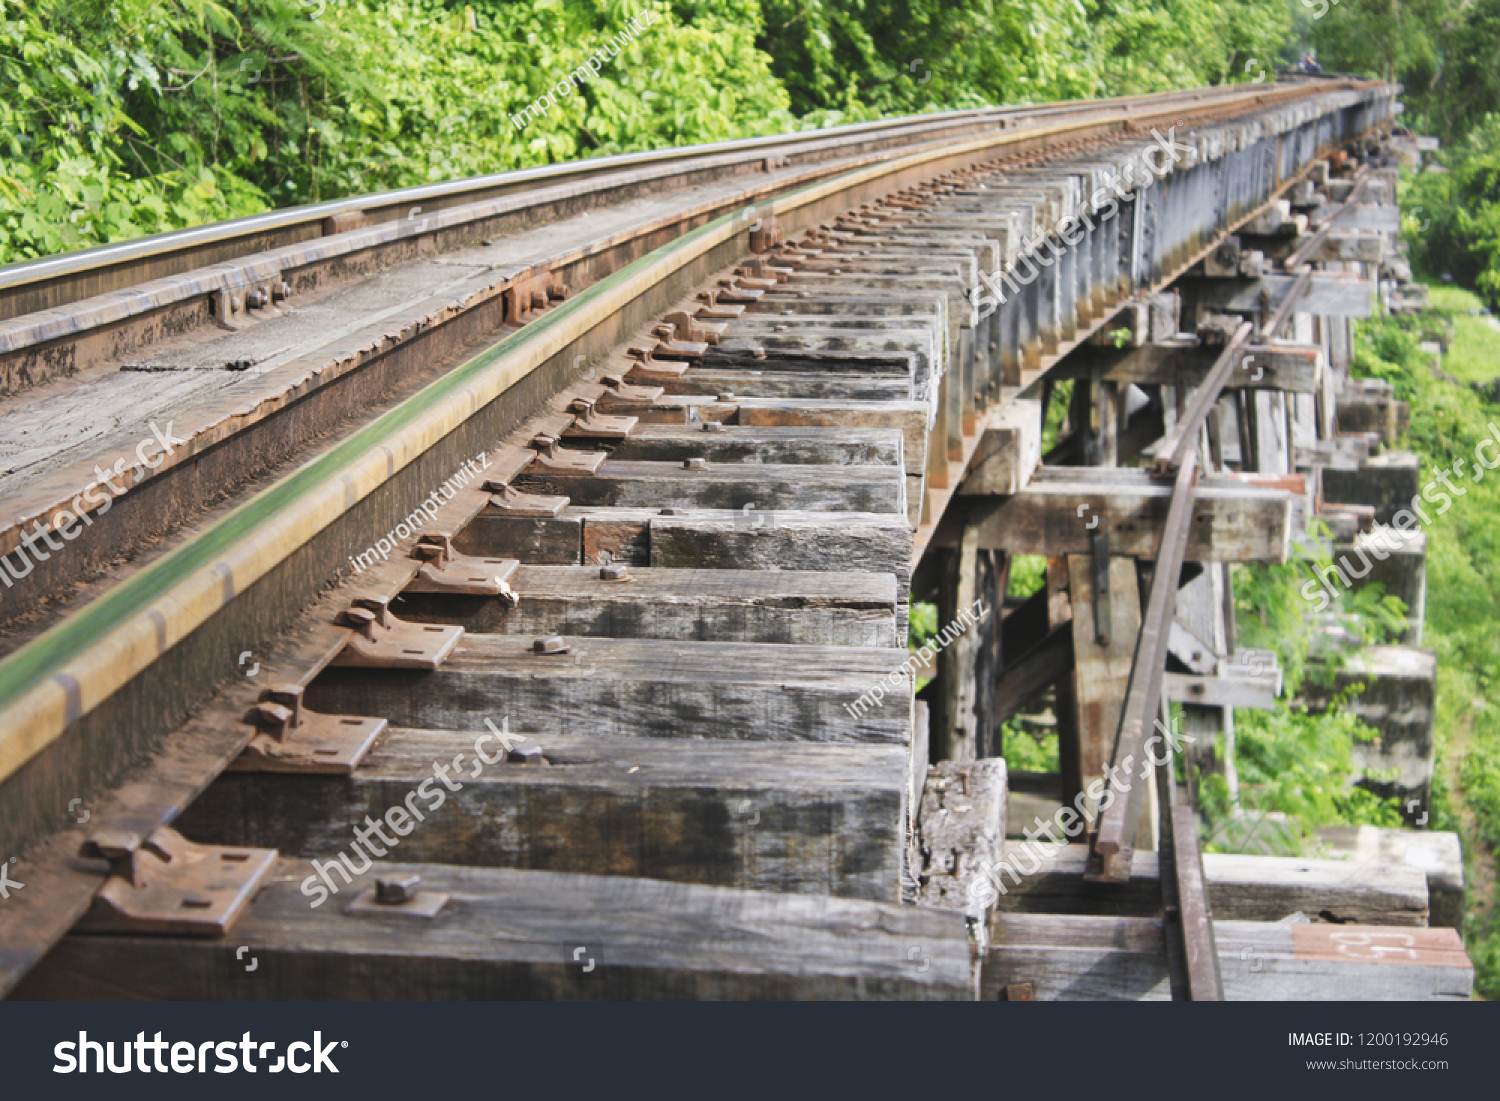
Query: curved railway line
[[541, 537]]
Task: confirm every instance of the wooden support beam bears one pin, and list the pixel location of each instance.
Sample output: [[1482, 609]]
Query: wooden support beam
[[785, 606], [908, 416], [639, 688], [507, 934], [1101, 669], [1186, 361], [1240, 888], [1009, 450], [1233, 521], [1238, 688], [764, 816], [1039, 669], [1124, 959], [960, 829], [1330, 294]]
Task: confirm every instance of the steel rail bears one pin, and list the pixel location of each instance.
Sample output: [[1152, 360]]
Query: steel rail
[[117, 265]]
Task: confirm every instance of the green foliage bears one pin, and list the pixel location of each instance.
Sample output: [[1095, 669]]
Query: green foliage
[[135, 116], [1454, 222], [1028, 573], [1029, 748]]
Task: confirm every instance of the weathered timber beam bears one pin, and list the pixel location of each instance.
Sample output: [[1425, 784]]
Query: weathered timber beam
[[1241, 688], [1292, 367], [507, 934], [762, 444], [1070, 958], [785, 606], [1037, 671], [1379, 219], [1330, 294], [633, 484], [1232, 521], [638, 688], [764, 816], [1240, 888]]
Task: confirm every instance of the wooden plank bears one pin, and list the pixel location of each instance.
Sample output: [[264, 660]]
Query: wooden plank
[[800, 817], [761, 444], [807, 487], [960, 828], [1231, 521], [1074, 958], [508, 934], [908, 416], [1240, 887], [1437, 854], [1186, 361], [786, 606], [637, 688], [822, 386]]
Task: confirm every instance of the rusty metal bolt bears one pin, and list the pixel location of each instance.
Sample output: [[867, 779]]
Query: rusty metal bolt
[[695, 463], [395, 891], [526, 755], [553, 645], [615, 571]]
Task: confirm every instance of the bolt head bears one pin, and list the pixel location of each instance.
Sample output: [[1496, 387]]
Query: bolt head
[[396, 890], [553, 645], [615, 571], [526, 755], [713, 426], [695, 463], [672, 512]]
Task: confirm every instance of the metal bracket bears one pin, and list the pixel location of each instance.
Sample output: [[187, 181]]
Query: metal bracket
[[444, 570], [294, 739], [667, 343], [766, 234], [166, 884], [644, 361], [617, 389], [589, 424], [512, 501], [379, 640], [551, 455], [713, 308], [1099, 546], [734, 290], [530, 295], [693, 328]]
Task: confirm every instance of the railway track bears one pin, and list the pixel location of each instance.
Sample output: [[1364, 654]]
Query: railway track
[[510, 584]]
